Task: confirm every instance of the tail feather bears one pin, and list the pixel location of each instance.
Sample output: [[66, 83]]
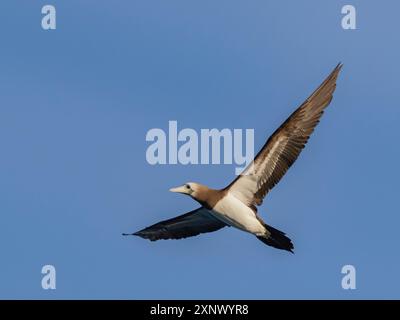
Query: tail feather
[[277, 239]]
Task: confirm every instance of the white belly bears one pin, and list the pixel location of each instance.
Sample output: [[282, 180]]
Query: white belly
[[235, 213]]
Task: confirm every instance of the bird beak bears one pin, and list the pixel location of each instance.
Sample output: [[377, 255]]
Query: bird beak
[[180, 189]]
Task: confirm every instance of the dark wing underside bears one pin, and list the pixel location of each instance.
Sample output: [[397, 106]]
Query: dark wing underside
[[187, 225], [283, 147]]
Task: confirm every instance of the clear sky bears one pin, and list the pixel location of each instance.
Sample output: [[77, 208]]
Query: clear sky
[[76, 104]]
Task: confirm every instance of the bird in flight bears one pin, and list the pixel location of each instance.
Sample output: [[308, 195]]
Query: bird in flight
[[236, 204]]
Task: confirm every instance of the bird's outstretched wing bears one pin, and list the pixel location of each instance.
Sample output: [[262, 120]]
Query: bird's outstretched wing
[[283, 146], [187, 225]]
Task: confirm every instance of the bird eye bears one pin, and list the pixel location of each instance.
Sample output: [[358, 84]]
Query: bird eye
[[187, 186]]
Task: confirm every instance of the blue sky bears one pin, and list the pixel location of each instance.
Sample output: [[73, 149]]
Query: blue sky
[[76, 104]]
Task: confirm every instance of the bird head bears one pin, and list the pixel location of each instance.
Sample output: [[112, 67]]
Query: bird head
[[192, 189]]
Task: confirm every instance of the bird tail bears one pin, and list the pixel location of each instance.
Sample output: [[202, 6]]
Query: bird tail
[[277, 239]]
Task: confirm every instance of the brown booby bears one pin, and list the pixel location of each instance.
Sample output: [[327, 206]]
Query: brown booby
[[236, 205]]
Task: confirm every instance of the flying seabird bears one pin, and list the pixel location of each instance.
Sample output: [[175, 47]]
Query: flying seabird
[[236, 204]]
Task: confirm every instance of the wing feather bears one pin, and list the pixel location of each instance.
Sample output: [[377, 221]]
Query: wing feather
[[187, 225], [284, 146]]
